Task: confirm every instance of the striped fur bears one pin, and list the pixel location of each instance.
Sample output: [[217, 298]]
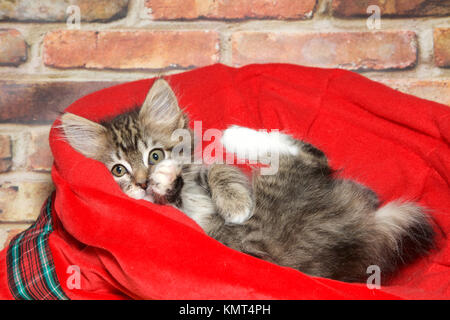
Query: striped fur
[[300, 216]]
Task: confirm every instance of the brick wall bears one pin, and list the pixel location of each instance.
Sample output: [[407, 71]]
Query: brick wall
[[45, 63]]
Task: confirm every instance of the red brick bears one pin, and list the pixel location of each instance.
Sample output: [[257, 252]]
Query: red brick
[[55, 10], [9, 231], [69, 48], [40, 102], [349, 50], [434, 90], [5, 153], [39, 154], [5, 165], [400, 8], [225, 9], [442, 47], [5, 146], [13, 49], [130, 49], [22, 201]]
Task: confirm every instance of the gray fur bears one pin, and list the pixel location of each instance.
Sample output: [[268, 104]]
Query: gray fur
[[301, 217], [307, 219]]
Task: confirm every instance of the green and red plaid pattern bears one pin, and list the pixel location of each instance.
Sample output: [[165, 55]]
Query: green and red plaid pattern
[[31, 271]]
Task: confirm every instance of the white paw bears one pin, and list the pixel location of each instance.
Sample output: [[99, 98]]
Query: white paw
[[240, 217], [163, 177]]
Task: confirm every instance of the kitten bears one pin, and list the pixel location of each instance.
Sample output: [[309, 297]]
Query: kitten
[[300, 217]]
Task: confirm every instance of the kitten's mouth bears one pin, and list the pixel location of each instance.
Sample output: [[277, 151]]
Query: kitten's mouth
[[161, 195], [157, 198]]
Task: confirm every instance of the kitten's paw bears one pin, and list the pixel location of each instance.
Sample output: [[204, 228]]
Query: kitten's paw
[[235, 207], [165, 174], [239, 217]]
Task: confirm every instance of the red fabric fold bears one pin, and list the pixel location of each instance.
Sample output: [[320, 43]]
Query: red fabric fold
[[394, 143]]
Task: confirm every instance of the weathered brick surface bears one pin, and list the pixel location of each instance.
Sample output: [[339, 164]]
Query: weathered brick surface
[[400, 8], [8, 231], [39, 154], [22, 201], [55, 10], [5, 146], [130, 49], [13, 49], [350, 50], [41, 102], [225, 9], [442, 47], [5, 165], [5, 153], [70, 49], [435, 90]]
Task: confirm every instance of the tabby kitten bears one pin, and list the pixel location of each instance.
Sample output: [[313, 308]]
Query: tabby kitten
[[301, 216]]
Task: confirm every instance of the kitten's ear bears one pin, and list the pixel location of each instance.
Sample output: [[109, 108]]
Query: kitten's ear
[[85, 136], [160, 109]]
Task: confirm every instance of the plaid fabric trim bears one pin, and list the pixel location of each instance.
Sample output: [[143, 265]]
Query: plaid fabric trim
[[31, 272]]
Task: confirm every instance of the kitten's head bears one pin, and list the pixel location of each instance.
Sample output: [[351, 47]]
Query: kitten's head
[[131, 144]]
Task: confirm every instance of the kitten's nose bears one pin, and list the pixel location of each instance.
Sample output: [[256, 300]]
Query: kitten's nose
[[143, 185]]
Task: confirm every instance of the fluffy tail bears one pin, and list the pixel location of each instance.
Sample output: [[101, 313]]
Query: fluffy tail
[[251, 144], [407, 230]]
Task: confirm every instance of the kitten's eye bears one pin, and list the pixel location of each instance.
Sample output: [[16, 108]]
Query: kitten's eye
[[119, 170], [155, 156]]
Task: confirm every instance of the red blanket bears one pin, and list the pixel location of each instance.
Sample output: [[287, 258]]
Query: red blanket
[[123, 248]]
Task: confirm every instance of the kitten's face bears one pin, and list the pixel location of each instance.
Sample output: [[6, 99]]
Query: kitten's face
[[132, 154], [134, 144]]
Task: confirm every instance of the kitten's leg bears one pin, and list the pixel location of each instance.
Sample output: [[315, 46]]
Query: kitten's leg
[[230, 192], [228, 187], [247, 143]]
